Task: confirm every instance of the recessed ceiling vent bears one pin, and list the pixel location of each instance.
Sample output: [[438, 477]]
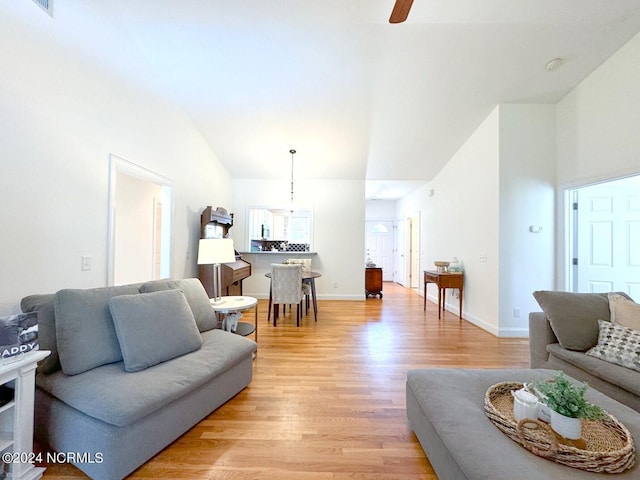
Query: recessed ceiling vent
[[46, 5]]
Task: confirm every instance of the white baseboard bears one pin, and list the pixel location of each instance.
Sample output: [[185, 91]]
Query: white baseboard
[[514, 333], [498, 332], [342, 297]]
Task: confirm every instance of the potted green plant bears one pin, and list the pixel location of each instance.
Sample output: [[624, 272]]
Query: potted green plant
[[567, 405]]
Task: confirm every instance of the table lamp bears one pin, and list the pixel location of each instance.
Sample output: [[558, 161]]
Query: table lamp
[[214, 251]]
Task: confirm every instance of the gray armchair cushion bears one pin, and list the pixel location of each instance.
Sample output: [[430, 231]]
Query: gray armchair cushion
[[153, 328], [118, 398], [84, 328], [621, 377], [574, 316], [196, 296]]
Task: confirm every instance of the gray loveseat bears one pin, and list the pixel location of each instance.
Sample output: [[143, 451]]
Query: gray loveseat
[[574, 318], [132, 368]]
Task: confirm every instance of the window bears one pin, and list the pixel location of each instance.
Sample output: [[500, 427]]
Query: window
[[281, 229]]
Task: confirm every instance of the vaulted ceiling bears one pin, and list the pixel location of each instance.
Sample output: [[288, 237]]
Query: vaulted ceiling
[[357, 97]]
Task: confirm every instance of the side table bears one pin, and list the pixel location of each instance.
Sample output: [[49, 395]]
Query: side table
[[17, 381], [236, 303], [444, 280]]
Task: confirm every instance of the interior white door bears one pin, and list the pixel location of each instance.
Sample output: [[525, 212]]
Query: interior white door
[[608, 237], [415, 252], [400, 263], [379, 244]]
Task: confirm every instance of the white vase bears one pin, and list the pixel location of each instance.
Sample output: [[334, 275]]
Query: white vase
[[567, 427]]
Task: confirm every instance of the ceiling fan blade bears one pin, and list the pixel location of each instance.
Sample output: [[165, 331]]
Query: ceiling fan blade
[[400, 11]]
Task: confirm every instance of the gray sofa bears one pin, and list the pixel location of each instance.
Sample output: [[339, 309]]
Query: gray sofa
[[132, 368], [574, 317]]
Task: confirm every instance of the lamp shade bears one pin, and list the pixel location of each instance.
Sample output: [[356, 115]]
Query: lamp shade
[[215, 250]]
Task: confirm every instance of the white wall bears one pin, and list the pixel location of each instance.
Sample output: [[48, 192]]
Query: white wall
[[597, 134], [527, 193], [598, 122], [461, 220], [596, 138], [483, 201], [338, 232], [380, 210], [62, 112]]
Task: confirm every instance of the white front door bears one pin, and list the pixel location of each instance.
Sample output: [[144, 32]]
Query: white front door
[[608, 237], [379, 245]]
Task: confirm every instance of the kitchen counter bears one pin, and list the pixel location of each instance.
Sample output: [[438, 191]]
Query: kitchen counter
[[283, 252]]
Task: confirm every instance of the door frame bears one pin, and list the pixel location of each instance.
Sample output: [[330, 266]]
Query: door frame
[[407, 255], [414, 252], [118, 166], [399, 257], [370, 228], [571, 234]]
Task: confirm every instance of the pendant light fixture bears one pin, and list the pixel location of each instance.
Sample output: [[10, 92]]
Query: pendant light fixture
[[292, 152]]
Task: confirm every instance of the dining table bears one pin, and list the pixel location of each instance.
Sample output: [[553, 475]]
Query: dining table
[[308, 278]]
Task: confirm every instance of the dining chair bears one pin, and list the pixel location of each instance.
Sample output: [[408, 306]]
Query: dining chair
[[286, 288], [306, 287], [305, 262]]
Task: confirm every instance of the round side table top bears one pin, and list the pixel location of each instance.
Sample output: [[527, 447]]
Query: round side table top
[[234, 303]]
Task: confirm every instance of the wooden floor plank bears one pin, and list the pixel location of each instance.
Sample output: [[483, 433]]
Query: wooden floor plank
[[327, 400]]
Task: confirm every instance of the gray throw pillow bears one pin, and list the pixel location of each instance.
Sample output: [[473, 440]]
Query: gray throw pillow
[[153, 328], [84, 329], [195, 294], [574, 316]]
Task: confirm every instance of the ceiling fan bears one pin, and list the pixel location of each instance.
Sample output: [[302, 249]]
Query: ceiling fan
[[400, 11]]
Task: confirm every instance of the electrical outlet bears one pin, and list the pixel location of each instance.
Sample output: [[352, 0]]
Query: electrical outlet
[[86, 263], [335, 284], [483, 257], [516, 312]]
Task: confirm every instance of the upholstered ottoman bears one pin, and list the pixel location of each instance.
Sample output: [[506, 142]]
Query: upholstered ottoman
[[445, 408]]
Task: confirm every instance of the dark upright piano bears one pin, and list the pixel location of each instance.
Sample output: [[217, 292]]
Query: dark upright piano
[[216, 224]]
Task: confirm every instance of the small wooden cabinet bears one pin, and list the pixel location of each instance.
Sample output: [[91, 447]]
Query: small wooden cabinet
[[373, 281]]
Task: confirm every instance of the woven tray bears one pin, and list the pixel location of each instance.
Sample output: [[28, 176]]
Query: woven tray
[[606, 446]]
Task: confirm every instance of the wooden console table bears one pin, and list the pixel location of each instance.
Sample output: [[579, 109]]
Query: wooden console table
[[443, 281]]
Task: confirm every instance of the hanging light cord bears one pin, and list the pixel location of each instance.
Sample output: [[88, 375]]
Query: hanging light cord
[[292, 152]]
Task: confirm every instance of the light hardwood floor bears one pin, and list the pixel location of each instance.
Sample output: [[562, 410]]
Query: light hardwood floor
[[327, 400]]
